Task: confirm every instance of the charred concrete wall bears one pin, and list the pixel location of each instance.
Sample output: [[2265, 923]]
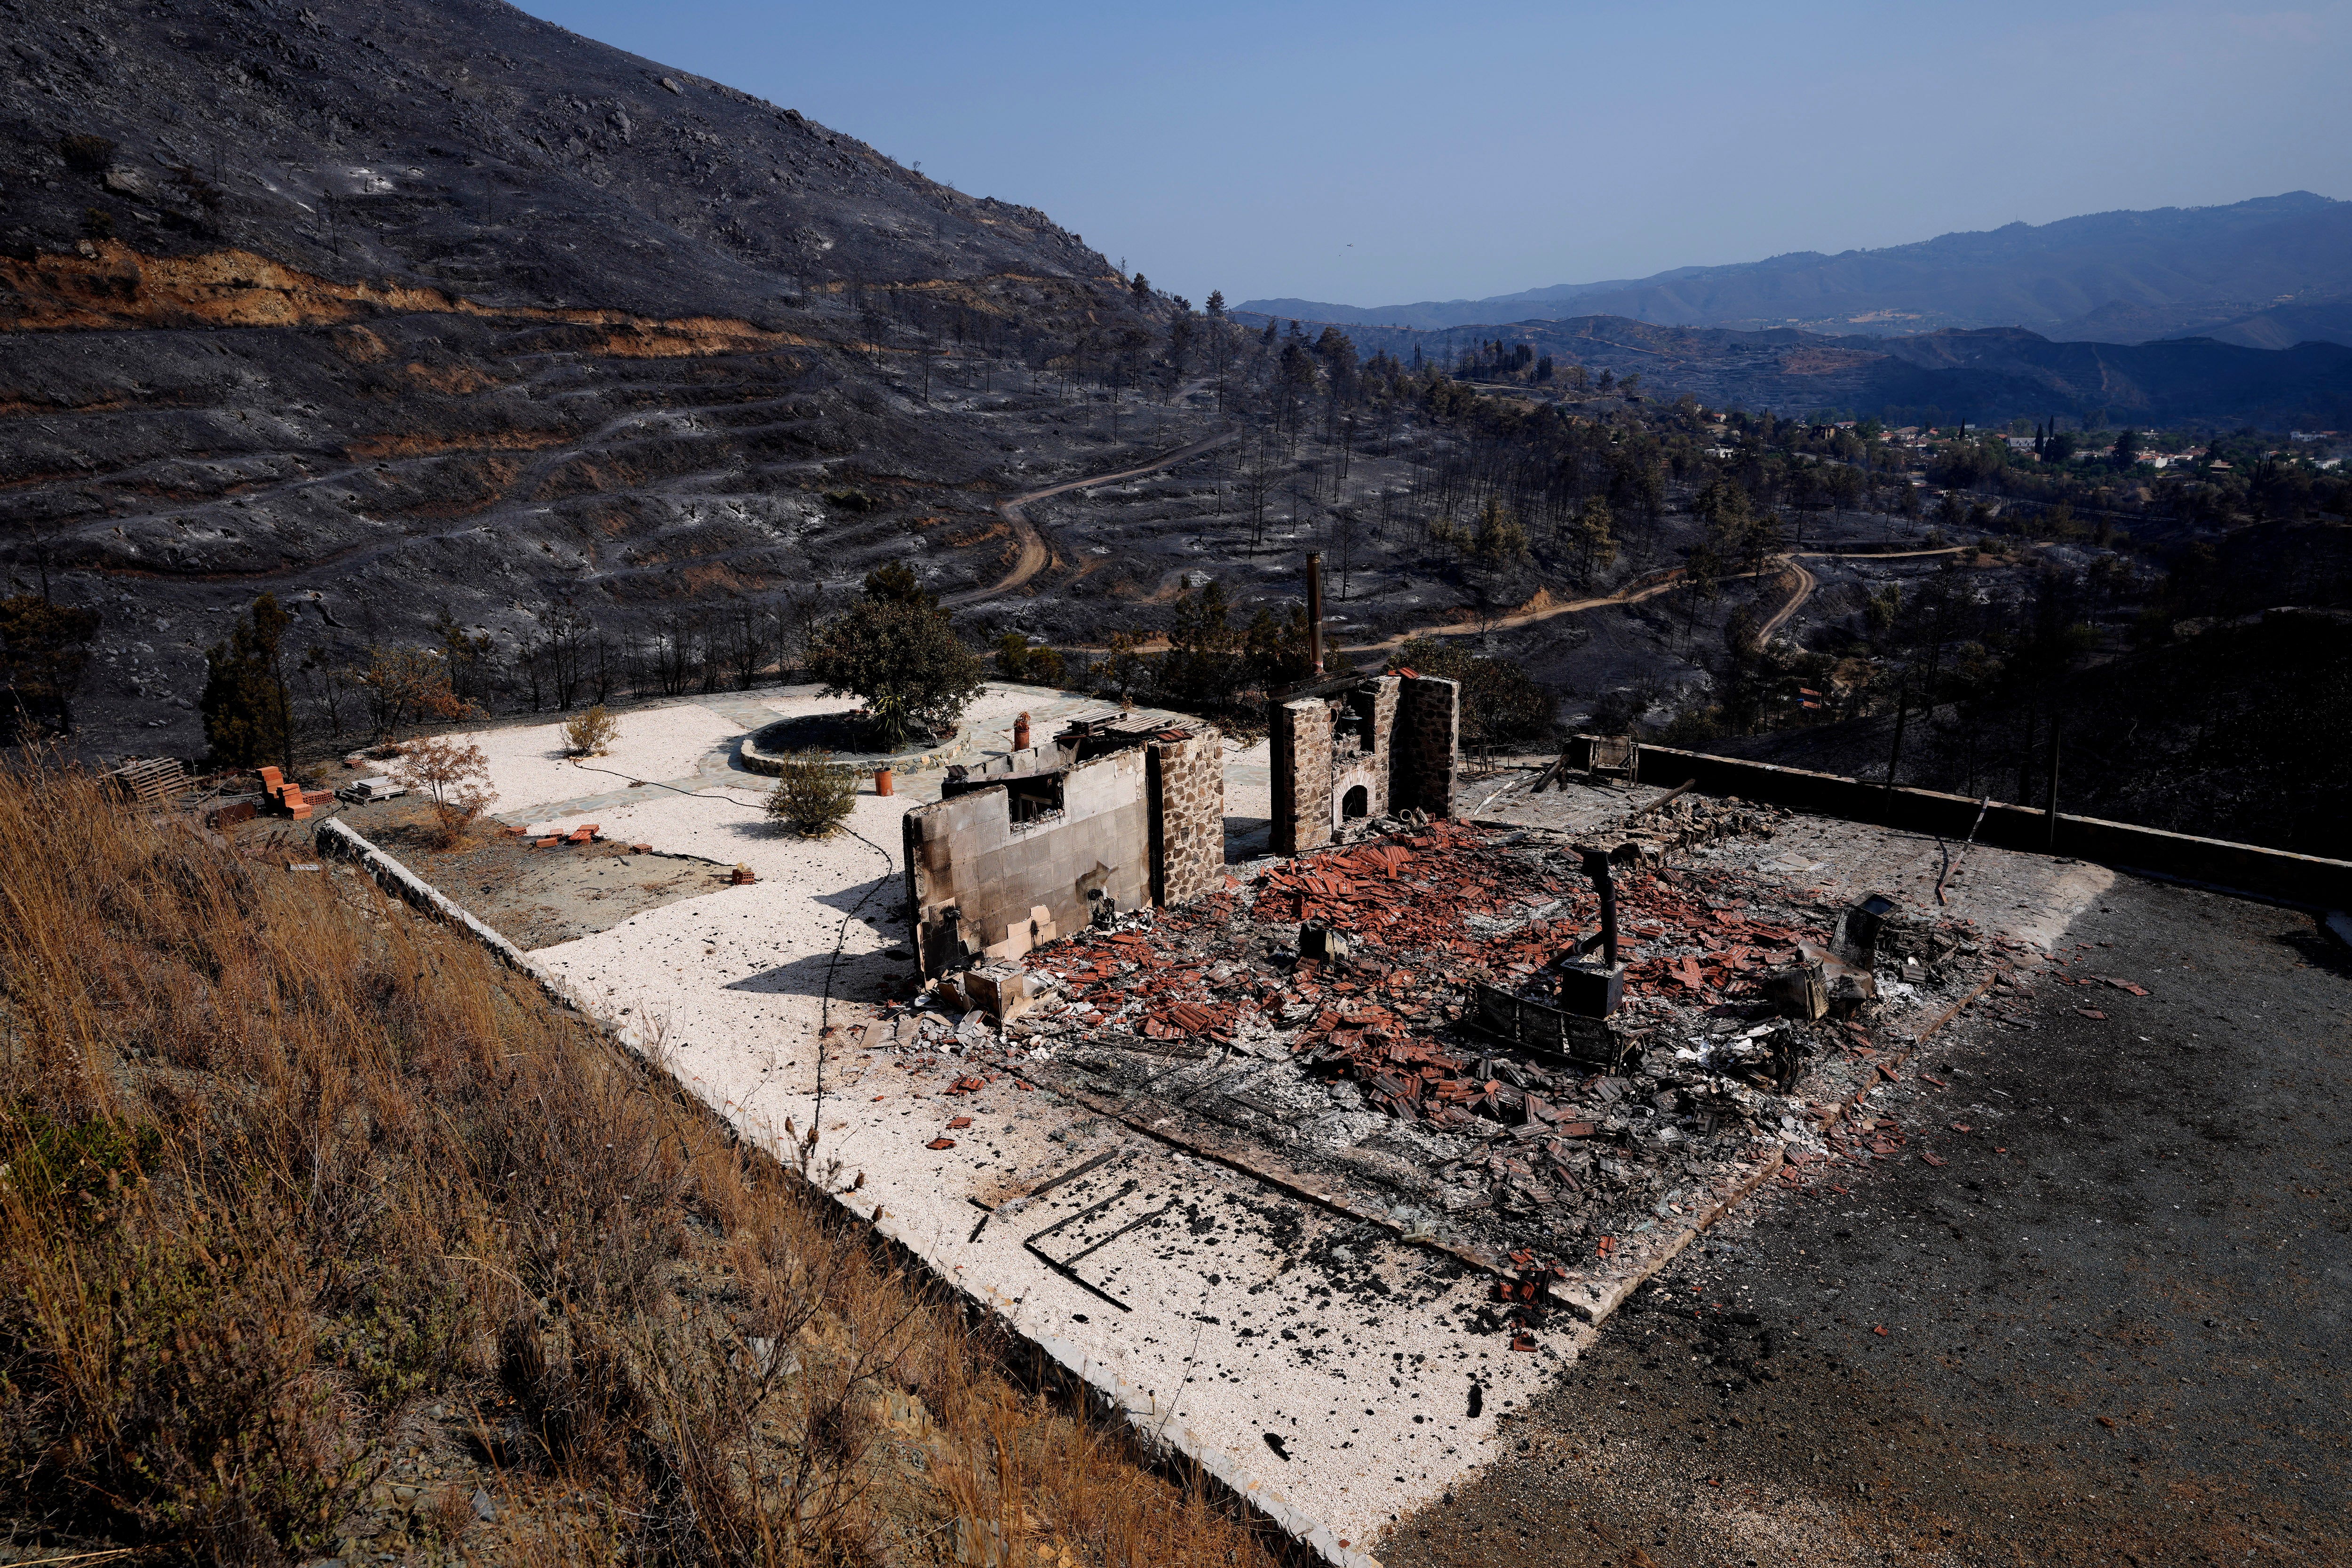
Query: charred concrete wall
[[1146, 822], [982, 885]]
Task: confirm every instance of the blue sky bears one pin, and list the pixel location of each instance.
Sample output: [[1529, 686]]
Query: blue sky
[[1374, 153]]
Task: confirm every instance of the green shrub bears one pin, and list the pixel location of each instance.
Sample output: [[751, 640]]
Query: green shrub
[[813, 794], [1502, 704]]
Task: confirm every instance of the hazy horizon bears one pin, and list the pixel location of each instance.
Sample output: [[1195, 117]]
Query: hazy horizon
[[1380, 154]]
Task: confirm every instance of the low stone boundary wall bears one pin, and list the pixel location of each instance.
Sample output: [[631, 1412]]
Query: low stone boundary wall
[[758, 760]]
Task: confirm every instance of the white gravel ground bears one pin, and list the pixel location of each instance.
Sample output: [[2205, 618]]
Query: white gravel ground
[[530, 767], [1332, 1365]]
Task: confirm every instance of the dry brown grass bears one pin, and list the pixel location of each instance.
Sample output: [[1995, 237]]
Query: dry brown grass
[[305, 1199]]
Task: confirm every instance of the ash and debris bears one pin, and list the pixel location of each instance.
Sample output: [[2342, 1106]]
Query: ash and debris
[[1322, 1007]]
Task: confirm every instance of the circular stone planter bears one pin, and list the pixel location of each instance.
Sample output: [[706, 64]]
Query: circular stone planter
[[765, 749]]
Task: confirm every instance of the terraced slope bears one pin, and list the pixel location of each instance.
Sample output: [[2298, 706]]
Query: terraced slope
[[404, 308]]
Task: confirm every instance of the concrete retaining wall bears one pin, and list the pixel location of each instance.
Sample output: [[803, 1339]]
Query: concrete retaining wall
[[334, 841], [2305, 879]]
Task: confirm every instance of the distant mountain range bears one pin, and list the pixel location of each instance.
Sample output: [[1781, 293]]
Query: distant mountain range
[[2267, 273]]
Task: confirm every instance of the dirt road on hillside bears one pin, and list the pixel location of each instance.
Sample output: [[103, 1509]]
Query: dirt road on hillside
[[1649, 587], [1035, 553]]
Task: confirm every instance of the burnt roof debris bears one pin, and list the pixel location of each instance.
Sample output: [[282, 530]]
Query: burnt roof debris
[[1379, 1024]]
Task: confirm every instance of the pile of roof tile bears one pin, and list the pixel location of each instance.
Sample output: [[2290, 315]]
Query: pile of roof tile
[[1369, 1047]]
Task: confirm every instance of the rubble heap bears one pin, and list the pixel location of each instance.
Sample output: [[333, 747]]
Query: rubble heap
[[1326, 1007]]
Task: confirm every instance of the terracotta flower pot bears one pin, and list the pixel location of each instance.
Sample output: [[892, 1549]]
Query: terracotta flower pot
[[882, 781]]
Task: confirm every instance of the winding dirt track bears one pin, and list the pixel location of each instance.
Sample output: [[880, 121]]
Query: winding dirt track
[[1806, 583], [1650, 586], [1034, 552]]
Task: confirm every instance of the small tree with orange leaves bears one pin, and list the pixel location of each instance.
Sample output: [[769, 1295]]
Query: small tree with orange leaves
[[405, 685], [454, 775]]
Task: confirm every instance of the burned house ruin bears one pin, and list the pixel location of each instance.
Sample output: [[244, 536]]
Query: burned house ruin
[[1115, 813], [1028, 846], [1360, 747], [1119, 812]]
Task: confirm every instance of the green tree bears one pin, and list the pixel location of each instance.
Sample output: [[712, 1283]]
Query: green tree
[[248, 714], [2127, 450], [1204, 665], [1017, 661], [895, 648], [1502, 704], [1047, 666], [1724, 507], [896, 583], [1501, 540], [44, 649], [1278, 652], [1880, 609]]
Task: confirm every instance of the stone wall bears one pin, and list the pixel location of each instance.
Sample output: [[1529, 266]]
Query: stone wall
[[1301, 744], [1426, 754], [1186, 788], [979, 885], [1367, 766]]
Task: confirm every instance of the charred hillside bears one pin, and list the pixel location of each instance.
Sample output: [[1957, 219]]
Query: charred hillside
[[405, 308]]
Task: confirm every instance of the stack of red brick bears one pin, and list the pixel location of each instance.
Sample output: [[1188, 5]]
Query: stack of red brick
[[283, 794]]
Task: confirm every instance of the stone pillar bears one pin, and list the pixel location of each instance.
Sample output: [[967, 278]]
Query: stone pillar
[[1302, 775], [1427, 751], [1187, 784], [1382, 746]]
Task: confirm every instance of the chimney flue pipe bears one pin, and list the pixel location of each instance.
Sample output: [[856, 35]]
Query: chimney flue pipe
[[1597, 867], [1315, 609]]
